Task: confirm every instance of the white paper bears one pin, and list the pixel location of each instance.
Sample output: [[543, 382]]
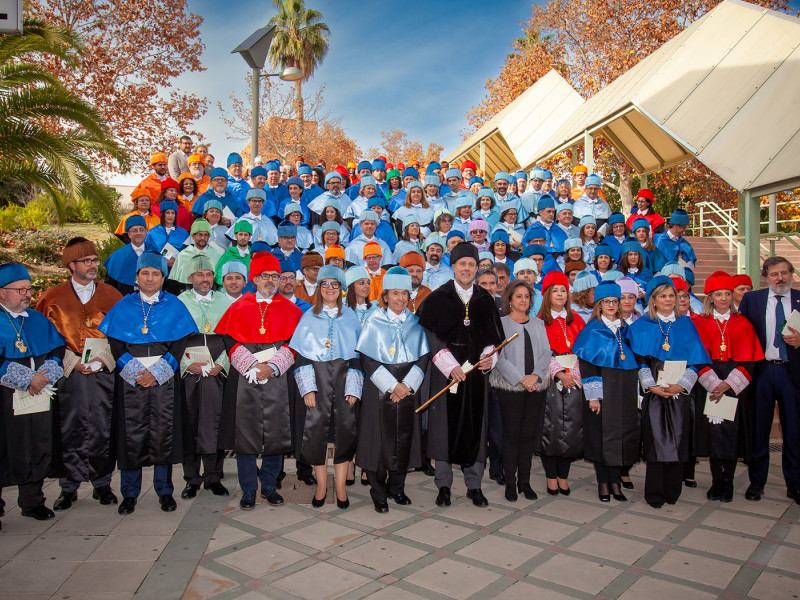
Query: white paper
[[228, 214], [793, 321], [724, 409], [147, 361], [265, 355], [169, 251], [25, 404], [515, 236], [466, 367], [567, 361], [199, 354], [671, 373], [92, 348]]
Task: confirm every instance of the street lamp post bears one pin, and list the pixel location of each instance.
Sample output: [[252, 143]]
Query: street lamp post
[[254, 50]]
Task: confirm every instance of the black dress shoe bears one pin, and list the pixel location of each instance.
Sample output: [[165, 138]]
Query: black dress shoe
[[273, 498], [714, 493], [218, 489], [381, 506], [190, 491], [429, 469], [552, 492], [690, 483], [527, 491], [65, 500], [628, 485], [248, 501], [401, 498], [603, 493], [727, 491], [793, 494], [40, 513], [754, 492], [617, 494], [343, 504], [167, 503], [309, 480], [477, 497], [563, 491], [127, 506], [443, 499], [511, 492], [318, 503], [499, 479], [104, 495]]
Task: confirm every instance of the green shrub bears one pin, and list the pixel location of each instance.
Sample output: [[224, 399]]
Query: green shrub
[[38, 247], [105, 249]]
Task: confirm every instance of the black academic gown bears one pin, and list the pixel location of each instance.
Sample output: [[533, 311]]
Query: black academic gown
[[203, 397], [457, 420]]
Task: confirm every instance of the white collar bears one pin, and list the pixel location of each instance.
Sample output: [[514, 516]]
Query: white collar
[[331, 311], [233, 297], [160, 177], [373, 273], [394, 317], [561, 313], [643, 212], [721, 317], [149, 299], [15, 315], [137, 249], [362, 306], [774, 295], [80, 288], [207, 298], [612, 325], [287, 254], [293, 299], [260, 298], [169, 229], [670, 318], [244, 252], [620, 238], [673, 237]]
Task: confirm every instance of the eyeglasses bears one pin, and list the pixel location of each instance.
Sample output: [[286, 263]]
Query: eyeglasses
[[311, 268], [330, 284], [288, 278], [610, 301], [255, 200], [22, 291], [268, 277], [89, 262]]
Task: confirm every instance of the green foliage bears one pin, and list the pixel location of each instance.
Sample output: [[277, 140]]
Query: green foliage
[[105, 249], [40, 284], [37, 247]]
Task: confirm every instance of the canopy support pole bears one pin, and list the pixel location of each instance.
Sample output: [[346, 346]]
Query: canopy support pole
[[588, 151], [752, 236], [482, 147], [773, 213]]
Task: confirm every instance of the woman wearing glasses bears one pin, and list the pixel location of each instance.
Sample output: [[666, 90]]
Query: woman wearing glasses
[[329, 379]]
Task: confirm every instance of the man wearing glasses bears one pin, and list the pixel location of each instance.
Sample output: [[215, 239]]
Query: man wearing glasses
[[31, 351], [255, 414], [85, 396]]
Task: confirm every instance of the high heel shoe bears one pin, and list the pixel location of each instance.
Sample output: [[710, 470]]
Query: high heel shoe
[[527, 491], [617, 493], [342, 503], [319, 503], [602, 492], [563, 491], [552, 492], [628, 485], [364, 480]]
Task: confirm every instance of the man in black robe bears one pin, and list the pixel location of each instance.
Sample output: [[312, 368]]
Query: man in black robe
[[463, 326]]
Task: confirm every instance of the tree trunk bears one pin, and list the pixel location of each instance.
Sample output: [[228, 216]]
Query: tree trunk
[[298, 115]]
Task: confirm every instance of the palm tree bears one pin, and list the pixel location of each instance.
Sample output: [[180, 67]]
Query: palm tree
[[47, 133], [300, 40]]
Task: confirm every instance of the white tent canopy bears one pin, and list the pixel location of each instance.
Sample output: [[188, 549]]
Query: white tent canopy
[[514, 135]]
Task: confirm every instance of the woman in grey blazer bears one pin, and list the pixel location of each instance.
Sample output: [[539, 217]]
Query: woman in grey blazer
[[519, 379]]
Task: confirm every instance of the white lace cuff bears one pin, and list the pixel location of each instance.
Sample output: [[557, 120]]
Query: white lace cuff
[[161, 370], [354, 383], [17, 376], [646, 377], [593, 388], [709, 379], [128, 373], [738, 379], [282, 360], [688, 380], [306, 379]]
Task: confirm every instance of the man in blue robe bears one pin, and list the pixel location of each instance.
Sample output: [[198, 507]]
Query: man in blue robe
[[121, 265], [310, 190], [218, 190], [31, 351], [287, 245], [237, 185], [672, 243]]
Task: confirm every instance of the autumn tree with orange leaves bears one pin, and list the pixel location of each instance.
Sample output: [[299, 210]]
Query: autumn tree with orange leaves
[[591, 43], [397, 148], [135, 49]]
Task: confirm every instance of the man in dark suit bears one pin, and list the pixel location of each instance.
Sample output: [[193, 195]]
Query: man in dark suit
[[777, 377]]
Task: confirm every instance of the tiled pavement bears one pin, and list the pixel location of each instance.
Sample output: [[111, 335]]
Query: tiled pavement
[[560, 548]]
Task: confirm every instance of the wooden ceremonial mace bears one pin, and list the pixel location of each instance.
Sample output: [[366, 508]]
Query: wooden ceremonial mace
[[452, 383]]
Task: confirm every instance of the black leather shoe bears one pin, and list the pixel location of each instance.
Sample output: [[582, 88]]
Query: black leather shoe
[[218, 489], [65, 500], [104, 495], [499, 480], [793, 494], [527, 490], [511, 492], [309, 480], [603, 492], [477, 497], [317, 503], [617, 494], [754, 492], [381, 506], [343, 504], [714, 493], [248, 501], [552, 492], [690, 483], [40, 513], [401, 498], [190, 491], [428, 469], [727, 491], [273, 498], [628, 485], [167, 503], [563, 491], [443, 499], [127, 506]]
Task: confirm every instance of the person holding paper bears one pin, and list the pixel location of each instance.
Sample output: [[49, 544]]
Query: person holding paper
[[611, 410], [665, 340], [562, 438], [85, 396], [147, 332], [31, 353], [166, 236], [255, 411], [777, 377], [463, 327], [204, 368], [731, 342], [329, 380]]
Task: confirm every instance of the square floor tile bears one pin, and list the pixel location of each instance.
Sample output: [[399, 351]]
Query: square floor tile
[[393, 592], [793, 537], [225, 536], [12, 544], [786, 558], [696, 568], [34, 576], [569, 510], [366, 516], [433, 532], [323, 535], [613, 547], [321, 581], [641, 526], [540, 530], [111, 576], [260, 559], [500, 552], [469, 513], [732, 545], [576, 573], [647, 588], [268, 518], [452, 578], [131, 547], [206, 584], [525, 591], [73, 548], [383, 555], [771, 586], [750, 524]]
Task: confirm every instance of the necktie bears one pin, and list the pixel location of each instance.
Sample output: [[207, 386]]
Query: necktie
[[780, 321]]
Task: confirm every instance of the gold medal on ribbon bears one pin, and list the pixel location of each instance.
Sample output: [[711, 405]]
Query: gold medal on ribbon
[[207, 327], [21, 346]]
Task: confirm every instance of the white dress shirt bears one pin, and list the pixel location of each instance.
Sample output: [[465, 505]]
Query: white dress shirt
[[84, 292], [149, 299], [138, 249], [771, 352], [464, 294]]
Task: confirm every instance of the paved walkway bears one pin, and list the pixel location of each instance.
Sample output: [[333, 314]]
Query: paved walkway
[[559, 548]]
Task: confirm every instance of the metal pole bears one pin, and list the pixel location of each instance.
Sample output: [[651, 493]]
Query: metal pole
[[752, 235], [254, 108], [773, 213], [588, 151]]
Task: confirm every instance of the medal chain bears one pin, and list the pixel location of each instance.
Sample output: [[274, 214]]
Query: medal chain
[[19, 343], [145, 316]]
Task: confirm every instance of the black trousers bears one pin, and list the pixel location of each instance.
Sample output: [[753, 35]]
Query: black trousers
[[607, 474], [382, 483], [721, 469], [30, 495], [212, 468], [495, 435], [689, 467], [303, 469], [663, 482], [519, 415], [556, 467]]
